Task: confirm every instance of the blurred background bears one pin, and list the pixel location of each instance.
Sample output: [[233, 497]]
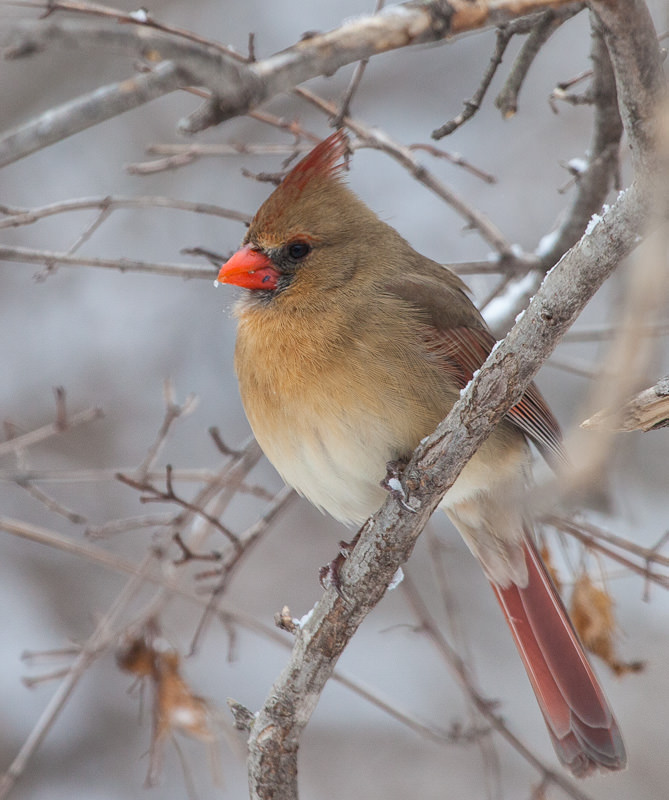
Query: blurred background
[[111, 339]]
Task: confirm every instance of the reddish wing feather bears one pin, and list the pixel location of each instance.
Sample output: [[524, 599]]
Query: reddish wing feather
[[464, 350]]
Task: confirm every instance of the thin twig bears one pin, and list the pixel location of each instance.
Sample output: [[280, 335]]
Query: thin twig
[[152, 494], [248, 539], [472, 105], [546, 25], [594, 543], [48, 258], [47, 431], [173, 411], [15, 217], [227, 616], [404, 156], [356, 79]]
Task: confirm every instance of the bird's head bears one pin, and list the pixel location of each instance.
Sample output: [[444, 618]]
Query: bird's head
[[311, 234]]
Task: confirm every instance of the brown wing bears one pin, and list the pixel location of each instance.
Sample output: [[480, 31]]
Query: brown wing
[[464, 350], [456, 333]]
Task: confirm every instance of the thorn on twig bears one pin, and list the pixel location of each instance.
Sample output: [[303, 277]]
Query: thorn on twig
[[252, 48], [244, 718], [284, 621], [61, 409]]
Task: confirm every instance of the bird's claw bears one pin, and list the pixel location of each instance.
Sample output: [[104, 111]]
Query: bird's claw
[[392, 483], [329, 575]]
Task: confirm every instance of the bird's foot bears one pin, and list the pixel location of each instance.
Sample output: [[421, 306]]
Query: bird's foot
[[392, 483], [329, 575]]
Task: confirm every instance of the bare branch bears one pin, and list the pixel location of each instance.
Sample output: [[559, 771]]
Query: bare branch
[[546, 25], [592, 186], [53, 505], [15, 217], [472, 105], [151, 493], [47, 431], [454, 158], [247, 541], [101, 639], [173, 411], [137, 18], [123, 566], [181, 155], [646, 411], [593, 538], [355, 82], [49, 259], [238, 88], [88, 110]]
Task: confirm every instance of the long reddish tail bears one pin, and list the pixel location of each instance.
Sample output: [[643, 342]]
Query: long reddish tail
[[584, 732]]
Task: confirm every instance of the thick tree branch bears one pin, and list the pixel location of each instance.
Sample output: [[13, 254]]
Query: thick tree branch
[[236, 88], [88, 110]]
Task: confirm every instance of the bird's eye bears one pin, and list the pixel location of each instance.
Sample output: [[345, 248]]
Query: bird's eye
[[298, 250]]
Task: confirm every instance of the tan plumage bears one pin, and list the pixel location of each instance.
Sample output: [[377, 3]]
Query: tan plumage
[[351, 348]]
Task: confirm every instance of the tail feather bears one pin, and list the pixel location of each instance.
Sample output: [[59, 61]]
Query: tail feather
[[581, 724]]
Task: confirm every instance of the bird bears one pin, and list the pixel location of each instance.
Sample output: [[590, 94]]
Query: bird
[[351, 348]]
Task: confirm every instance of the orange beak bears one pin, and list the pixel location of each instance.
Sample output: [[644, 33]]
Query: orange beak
[[250, 269]]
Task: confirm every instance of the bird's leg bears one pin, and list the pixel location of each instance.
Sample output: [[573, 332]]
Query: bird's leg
[[329, 574], [392, 482]]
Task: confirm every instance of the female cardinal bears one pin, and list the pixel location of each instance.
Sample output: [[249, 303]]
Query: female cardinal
[[351, 348]]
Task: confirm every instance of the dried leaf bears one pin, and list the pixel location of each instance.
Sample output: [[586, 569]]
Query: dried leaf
[[177, 707], [594, 619], [137, 657]]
